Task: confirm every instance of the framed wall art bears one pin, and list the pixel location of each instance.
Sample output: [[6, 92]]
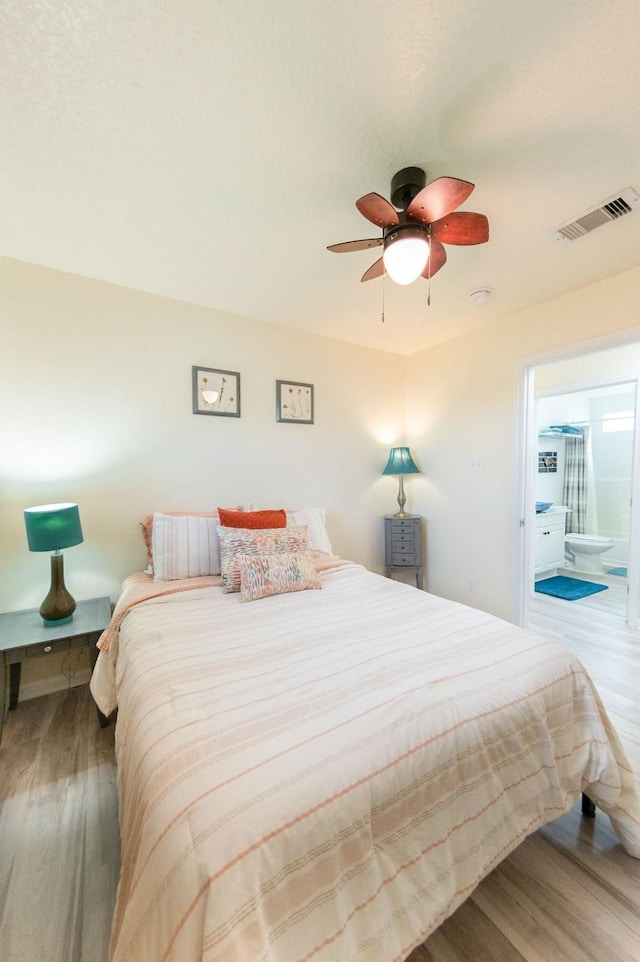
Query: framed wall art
[[294, 402], [216, 392]]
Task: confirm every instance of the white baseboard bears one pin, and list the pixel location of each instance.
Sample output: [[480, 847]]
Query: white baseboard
[[60, 682]]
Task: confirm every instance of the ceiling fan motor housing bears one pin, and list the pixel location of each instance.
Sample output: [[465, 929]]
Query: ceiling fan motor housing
[[408, 227], [405, 185]]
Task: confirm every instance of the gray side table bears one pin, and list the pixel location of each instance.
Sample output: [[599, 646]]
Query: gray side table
[[23, 635], [403, 545]]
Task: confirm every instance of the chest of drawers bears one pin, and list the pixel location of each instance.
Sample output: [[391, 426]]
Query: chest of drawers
[[403, 545]]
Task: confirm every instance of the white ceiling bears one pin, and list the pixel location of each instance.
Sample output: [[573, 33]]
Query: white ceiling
[[210, 150]]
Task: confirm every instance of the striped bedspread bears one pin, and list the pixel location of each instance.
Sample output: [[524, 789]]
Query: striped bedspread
[[327, 775]]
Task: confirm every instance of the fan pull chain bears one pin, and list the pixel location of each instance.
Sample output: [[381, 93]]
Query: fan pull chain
[[429, 272], [384, 274]]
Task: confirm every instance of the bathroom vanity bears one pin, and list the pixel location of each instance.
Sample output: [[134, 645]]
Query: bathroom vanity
[[549, 539]]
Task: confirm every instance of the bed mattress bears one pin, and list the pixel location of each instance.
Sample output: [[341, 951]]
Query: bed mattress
[[326, 775]]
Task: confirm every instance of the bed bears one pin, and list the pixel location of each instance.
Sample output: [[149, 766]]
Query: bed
[[327, 774]]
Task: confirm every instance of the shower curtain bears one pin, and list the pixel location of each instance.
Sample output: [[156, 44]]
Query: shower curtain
[[579, 491]]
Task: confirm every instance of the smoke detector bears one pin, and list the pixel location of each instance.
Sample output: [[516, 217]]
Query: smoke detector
[[481, 295], [621, 204]]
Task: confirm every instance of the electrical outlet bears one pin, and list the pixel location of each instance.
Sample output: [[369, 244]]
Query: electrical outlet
[[472, 586], [477, 464]]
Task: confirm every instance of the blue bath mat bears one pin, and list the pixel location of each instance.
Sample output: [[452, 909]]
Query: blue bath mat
[[622, 571], [569, 589]]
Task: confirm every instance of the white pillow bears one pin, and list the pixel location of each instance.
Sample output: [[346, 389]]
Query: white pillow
[[185, 546], [314, 520]]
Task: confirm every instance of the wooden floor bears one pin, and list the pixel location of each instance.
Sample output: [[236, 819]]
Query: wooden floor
[[569, 893], [59, 843]]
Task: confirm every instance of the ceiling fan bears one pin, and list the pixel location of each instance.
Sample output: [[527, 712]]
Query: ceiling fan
[[416, 224]]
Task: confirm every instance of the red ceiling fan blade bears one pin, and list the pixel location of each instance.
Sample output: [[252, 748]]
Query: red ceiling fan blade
[[378, 210], [437, 258], [359, 245], [376, 270], [461, 228], [439, 198]]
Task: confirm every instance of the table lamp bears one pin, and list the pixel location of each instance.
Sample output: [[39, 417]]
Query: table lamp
[[51, 527], [400, 462]]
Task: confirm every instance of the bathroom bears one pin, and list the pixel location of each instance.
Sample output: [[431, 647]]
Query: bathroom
[[599, 465]]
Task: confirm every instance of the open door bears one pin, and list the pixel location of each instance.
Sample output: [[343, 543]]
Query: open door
[[536, 383]]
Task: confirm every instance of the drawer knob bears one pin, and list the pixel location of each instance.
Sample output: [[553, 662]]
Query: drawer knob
[[48, 648]]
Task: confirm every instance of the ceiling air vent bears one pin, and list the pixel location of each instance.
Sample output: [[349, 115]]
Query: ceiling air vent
[[626, 202]]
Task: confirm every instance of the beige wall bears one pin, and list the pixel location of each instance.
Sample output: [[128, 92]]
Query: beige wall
[[96, 407], [462, 407], [95, 396], [611, 365]]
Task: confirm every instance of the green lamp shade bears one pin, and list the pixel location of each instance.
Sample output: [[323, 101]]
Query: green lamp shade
[[400, 462], [51, 527]]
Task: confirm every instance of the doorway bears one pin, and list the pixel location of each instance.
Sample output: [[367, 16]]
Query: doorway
[[591, 394]]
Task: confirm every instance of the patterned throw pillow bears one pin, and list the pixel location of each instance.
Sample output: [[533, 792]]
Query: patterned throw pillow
[[275, 574], [253, 519], [242, 541]]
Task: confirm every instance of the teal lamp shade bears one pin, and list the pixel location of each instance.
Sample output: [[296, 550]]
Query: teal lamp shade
[[400, 462], [51, 527]]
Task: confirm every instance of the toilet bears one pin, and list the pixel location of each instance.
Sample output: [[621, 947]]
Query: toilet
[[587, 550]]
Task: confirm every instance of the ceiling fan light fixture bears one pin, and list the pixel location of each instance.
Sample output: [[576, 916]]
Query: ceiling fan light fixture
[[416, 224], [406, 253]]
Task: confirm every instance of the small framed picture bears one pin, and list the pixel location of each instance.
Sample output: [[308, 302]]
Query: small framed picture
[[294, 402], [216, 392]]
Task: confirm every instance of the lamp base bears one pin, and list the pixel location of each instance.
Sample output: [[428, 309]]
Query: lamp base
[[58, 607], [54, 622], [402, 499]]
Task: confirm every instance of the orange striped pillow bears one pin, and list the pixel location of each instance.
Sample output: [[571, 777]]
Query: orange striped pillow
[[184, 546], [147, 528]]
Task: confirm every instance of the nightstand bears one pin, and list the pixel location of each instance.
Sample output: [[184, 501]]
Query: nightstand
[[403, 545], [23, 635]]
